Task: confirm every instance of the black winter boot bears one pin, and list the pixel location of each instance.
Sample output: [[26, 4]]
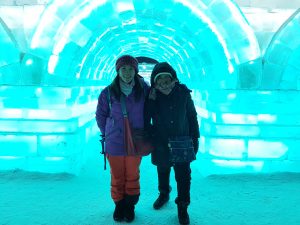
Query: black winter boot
[[183, 215], [161, 200], [164, 195], [130, 202], [119, 210], [129, 213]]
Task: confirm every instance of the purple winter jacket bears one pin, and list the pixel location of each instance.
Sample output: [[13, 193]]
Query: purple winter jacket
[[112, 126]]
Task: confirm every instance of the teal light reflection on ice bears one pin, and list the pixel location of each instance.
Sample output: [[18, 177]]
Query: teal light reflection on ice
[[267, 149], [227, 148], [253, 166], [49, 92], [282, 57], [125, 21]]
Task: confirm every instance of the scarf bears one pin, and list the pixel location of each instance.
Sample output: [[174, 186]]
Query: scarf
[[126, 88]]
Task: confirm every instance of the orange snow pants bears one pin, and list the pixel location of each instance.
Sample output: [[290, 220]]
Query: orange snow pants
[[125, 176]]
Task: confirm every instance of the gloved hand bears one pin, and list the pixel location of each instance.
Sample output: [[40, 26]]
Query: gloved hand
[[196, 144], [152, 94]]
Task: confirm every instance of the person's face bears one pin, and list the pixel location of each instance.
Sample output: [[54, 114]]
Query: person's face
[[126, 73], [164, 84]]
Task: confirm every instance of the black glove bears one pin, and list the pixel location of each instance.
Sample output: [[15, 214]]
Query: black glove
[[196, 144]]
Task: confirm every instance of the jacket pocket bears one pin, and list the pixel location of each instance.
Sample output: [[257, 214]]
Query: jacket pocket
[[112, 129]]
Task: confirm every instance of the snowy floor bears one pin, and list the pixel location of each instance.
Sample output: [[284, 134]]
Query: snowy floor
[[31, 198]]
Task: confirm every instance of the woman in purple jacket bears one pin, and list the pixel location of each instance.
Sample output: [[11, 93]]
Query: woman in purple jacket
[[125, 184]]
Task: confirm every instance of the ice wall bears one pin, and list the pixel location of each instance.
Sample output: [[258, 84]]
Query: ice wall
[[258, 127], [249, 131], [45, 123], [49, 96], [46, 129], [282, 57], [9, 58]]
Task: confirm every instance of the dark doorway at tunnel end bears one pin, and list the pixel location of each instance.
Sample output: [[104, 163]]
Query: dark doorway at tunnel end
[[147, 60]]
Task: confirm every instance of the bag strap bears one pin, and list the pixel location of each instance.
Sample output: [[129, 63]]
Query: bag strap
[[109, 100], [143, 86], [122, 99], [102, 140], [123, 106]]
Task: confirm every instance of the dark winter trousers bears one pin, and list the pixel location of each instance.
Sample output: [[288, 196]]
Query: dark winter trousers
[[183, 179]]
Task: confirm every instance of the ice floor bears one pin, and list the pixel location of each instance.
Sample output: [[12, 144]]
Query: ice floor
[[39, 199]]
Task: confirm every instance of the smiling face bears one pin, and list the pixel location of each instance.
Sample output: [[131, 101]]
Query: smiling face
[[164, 84], [126, 73]]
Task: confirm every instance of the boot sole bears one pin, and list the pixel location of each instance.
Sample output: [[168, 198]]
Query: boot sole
[[157, 208]]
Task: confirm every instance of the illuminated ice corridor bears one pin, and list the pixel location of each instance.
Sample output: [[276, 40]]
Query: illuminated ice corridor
[[55, 58]]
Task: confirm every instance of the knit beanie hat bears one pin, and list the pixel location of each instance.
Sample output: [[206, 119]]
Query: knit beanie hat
[[160, 69], [127, 60]]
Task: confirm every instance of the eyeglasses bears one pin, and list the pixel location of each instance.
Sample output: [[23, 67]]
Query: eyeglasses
[[163, 82]]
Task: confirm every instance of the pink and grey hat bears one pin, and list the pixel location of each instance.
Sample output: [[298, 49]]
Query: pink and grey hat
[[127, 60]]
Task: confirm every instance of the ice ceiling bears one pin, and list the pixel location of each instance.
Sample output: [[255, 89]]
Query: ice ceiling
[[245, 100]]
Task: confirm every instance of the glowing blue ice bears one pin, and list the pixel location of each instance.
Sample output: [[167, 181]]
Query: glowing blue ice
[[282, 57], [52, 74]]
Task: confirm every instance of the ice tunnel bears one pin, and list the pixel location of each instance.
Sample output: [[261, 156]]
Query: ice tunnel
[[54, 66], [282, 58]]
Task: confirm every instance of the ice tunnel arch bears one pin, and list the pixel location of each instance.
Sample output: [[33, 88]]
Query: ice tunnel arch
[[207, 41], [9, 55], [282, 57]]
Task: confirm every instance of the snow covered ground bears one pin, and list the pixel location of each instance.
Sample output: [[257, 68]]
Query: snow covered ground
[[33, 198]]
